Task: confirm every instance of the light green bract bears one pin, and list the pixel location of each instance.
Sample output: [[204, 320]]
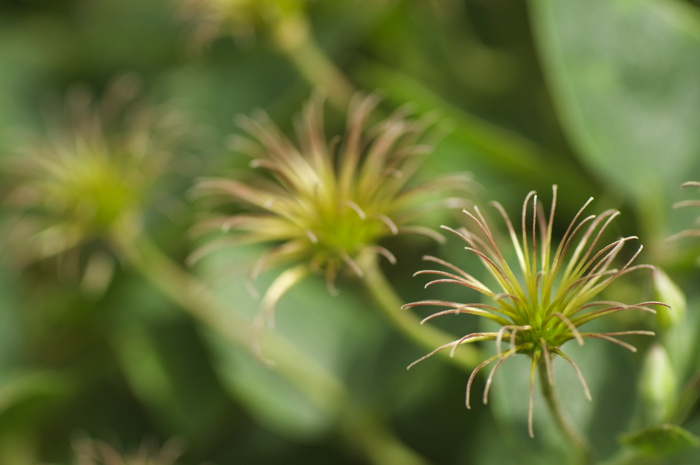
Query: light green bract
[[325, 203], [543, 299]]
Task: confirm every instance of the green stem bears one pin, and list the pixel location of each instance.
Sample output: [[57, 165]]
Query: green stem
[[572, 435], [369, 434], [292, 35], [467, 357], [196, 299], [319, 386]]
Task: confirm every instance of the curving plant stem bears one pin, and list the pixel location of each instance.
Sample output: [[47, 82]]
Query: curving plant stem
[[568, 430], [292, 35], [428, 337], [322, 388]]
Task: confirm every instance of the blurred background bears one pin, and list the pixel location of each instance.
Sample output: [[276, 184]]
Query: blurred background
[[601, 97]]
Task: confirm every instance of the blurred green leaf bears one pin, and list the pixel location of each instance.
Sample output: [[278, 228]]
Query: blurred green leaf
[[662, 440], [482, 142], [166, 365], [624, 75], [169, 374], [329, 332], [18, 447], [28, 400], [25, 388], [267, 395], [21, 60], [11, 329]]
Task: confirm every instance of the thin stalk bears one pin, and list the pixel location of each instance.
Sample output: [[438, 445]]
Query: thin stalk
[[428, 337], [570, 433], [292, 35], [194, 297], [320, 387], [688, 398], [368, 433]]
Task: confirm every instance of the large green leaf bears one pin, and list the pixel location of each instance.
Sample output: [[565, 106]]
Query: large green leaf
[[168, 372], [624, 74], [28, 398], [662, 440], [165, 364], [316, 339]]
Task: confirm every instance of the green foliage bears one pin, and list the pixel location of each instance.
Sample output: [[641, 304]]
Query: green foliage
[[662, 440], [600, 97], [627, 93]]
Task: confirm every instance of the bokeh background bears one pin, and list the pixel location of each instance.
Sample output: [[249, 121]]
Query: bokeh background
[[601, 97]]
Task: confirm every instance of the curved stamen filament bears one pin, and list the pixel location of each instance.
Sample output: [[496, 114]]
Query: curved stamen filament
[[514, 329], [473, 337], [609, 337], [571, 327], [579, 375], [531, 395], [489, 380]]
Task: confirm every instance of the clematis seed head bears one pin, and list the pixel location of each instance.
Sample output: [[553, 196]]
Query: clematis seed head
[[541, 299], [323, 202], [88, 180]]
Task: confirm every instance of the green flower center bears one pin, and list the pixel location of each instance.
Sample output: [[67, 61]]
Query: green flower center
[[343, 230], [94, 194]]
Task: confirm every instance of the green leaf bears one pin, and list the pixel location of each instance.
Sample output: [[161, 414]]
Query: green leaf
[[165, 364], [624, 75], [24, 54], [20, 389], [266, 394], [661, 440], [316, 339], [12, 332], [479, 141], [169, 374]]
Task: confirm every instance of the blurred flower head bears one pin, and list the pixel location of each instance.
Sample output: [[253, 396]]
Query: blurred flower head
[[210, 19], [88, 180], [543, 297], [325, 203], [93, 452]]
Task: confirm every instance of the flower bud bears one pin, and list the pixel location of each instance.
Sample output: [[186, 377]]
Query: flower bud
[[541, 299], [667, 291]]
